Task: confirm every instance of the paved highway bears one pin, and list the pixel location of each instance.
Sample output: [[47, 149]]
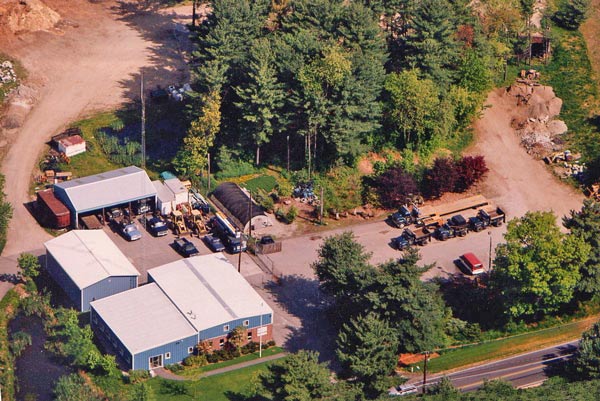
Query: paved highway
[[524, 370]]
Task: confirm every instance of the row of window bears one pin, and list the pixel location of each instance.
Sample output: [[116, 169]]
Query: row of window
[[190, 351], [226, 327]]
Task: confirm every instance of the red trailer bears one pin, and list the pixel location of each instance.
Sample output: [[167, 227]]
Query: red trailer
[[52, 211]]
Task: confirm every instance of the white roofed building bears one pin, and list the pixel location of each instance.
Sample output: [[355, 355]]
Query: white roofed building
[[96, 193], [89, 266], [206, 291]]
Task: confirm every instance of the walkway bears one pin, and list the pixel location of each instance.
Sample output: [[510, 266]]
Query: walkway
[[167, 374]]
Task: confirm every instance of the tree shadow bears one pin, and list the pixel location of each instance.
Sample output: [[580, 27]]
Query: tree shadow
[[561, 363], [302, 297]]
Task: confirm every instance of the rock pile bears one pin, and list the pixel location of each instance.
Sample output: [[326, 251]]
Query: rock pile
[[536, 124], [7, 73]]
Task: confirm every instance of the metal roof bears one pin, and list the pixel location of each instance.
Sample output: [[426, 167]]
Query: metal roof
[[108, 188], [208, 290], [175, 186], [89, 256], [163, 193], [143, 318]]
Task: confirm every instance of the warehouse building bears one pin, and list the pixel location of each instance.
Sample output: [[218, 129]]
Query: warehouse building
[[88, 266], [192, 300], [95, 194], [237, 205]]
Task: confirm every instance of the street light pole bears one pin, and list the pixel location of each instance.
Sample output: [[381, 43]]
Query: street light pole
[[425, 370]]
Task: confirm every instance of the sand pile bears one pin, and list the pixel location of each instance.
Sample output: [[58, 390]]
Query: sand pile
[[26, 16], [535, 120]]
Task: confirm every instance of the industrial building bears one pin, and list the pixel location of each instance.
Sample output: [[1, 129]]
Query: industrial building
[[238, 207], [98, 193], [89, 266], [193, 300], [170, 194]]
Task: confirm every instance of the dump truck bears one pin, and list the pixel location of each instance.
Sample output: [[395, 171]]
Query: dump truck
[[403, 217], [418, 236], [459, 225], [444, 232], [493, 216]]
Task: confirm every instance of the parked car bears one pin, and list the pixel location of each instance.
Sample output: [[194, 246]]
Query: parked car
[[405, 389], [157, 226], [471, 263], [115, 213], [214, 243], [185, 247], [267, 239], [131, 232], [141, 208]]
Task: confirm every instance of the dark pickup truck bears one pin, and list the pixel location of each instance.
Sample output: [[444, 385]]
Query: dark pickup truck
[[185, 247], [459, 225], [492, 217]]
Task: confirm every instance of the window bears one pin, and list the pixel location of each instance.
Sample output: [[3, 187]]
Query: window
[[249, 336], [226, 328], [221, 342], [190, 350], [167, 355], [246, 323]]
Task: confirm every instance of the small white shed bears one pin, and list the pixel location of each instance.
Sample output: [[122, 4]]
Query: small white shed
[[170, 193], [72, 145]]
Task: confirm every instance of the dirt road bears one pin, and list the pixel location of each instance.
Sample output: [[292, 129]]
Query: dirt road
[[92, 63]]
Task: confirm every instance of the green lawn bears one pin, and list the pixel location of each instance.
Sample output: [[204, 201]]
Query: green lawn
[[192, 372], [497, 349], [213, 388], [264, 182]]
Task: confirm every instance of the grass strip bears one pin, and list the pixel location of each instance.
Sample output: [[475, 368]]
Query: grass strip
[[191, 372], [225, 387], [8, 309], [502, 348]]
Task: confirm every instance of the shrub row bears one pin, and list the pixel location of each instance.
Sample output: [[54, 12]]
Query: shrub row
[[395, 185]]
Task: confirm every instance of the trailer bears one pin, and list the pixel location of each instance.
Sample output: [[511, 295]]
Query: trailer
[[52, 211], [442, 211], [91, 222]]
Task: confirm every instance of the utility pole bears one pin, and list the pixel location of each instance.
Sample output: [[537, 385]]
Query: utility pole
[[208, 157], [425, 370], [143, 121], [288, 153], [322, 202], [490, 253]]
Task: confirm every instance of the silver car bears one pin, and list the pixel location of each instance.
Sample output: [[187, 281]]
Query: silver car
[[131, 232]]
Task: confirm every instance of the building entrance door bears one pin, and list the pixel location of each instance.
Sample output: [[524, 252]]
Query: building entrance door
[[156, 362]]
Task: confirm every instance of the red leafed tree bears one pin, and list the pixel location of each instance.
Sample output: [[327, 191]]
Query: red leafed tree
[[440, 178], [470, 170], [394, 186]]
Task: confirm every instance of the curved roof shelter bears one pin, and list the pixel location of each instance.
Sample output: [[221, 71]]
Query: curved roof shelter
[[235, 202]]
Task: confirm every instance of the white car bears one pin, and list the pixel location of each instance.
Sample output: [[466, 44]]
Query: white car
[[405, 389]]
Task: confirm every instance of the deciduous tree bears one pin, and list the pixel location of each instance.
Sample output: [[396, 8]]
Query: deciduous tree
[[394, 186], [29, 266], [538, 268]]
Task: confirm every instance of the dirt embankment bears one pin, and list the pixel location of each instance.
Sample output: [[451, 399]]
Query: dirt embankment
[[591, 33], [20, 16], [516, 180]]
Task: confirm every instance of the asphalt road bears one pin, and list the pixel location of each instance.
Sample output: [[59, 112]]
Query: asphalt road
[[524, 370]]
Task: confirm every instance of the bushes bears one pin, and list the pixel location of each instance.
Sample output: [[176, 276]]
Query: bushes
[[138, 376], [195, 360], [174, 367], [393, 186], [446, 175]]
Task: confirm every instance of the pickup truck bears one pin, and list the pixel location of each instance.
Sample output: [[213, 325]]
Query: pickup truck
[[459, 225], [157, 226], [185, 247], [493, 217], [419, 236]]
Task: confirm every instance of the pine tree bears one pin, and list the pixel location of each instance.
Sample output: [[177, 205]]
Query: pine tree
[[262, 97], [367, 349], [572, 13]]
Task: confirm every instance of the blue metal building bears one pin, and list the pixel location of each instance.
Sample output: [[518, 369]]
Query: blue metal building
[[145, 326], [89, 266], [96, 193]]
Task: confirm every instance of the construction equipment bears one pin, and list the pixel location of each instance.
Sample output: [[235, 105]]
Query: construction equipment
[[178, 222], [197, 223]]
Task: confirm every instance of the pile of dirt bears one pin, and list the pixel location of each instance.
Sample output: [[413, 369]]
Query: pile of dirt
[[535, 118], [19, 16]]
